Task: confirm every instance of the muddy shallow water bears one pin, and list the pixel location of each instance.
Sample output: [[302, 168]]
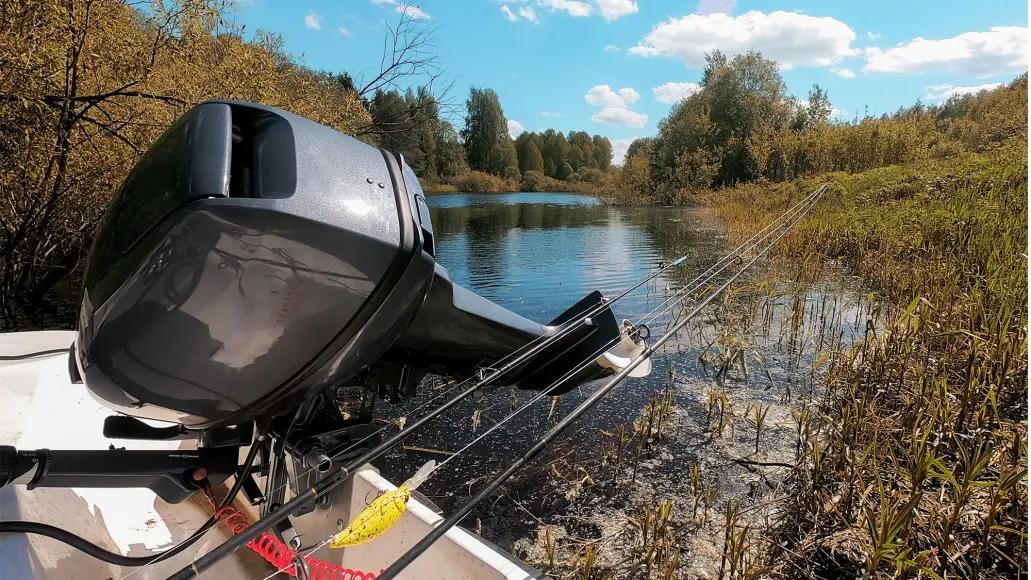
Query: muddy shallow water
[[743, 366]]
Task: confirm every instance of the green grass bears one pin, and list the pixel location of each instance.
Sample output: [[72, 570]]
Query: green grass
[[915, 464]]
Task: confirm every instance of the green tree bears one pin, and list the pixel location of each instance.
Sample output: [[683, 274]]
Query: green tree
[[602, 152], [640, 147], [485, 136], [554, 151], [450, 153], [528, 150], [427, 117], [392, 122], [581, 151]]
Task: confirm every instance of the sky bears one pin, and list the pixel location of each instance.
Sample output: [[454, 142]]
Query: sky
[[616, 67]]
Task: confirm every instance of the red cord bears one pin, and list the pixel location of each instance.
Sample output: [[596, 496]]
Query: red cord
[[281, 556]]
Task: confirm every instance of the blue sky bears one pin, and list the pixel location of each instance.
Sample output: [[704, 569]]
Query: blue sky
[[614, 67]]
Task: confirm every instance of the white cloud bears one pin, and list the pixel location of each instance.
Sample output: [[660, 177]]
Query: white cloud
[[508, 13], [873, 35], [384, 1], [789, 38], [615, 106], [528, 13], [550, 114], [604, 95], [344, 31], [1003, 49], [613, 9], [845, 73], [619, 147], [670, 93], [944, 92], [611, 48], [412, 12], [706, 7], [619, 117], [573, 7], [515, 128], [313, 21]]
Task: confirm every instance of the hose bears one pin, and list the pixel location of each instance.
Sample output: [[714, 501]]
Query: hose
[[87, 547], [80, 544], [33, 354]]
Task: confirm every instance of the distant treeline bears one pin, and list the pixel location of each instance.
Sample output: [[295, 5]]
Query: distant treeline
[[482, 156], [743, 127]]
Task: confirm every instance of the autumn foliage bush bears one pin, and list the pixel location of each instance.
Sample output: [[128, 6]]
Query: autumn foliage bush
[[480, 182], [87, 85]]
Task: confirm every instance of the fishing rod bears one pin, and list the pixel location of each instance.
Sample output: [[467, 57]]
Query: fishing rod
[[341, 475], [751, 242], [651, 315], [785, 220], [697, 282], [342, 298], [438, 531]]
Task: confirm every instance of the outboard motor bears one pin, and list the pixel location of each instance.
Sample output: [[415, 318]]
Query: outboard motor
[[252, 266], [254, 258]]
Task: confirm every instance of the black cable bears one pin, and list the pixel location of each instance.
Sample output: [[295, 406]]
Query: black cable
[[34, 354], [74, 541], [87, 547]]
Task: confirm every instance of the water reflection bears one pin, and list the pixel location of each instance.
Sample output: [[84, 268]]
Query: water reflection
[[538, 253]]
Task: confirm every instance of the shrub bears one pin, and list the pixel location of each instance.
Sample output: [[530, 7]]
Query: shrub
[[479, 182], [592, 175], [533, 181]]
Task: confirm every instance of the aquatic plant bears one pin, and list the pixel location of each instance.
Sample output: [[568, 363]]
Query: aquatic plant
[[913, 460]]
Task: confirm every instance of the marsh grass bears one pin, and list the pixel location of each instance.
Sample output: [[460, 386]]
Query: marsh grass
[[912, 462]]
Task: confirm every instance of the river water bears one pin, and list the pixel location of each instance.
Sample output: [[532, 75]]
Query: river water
[[537, 254]]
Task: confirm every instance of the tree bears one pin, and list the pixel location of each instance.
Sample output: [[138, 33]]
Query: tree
[[450, 153], [485, 136], [581, 151], [554, 152], [528, 149], [640, 147], [819, 106], [602, 152], [392, 120]]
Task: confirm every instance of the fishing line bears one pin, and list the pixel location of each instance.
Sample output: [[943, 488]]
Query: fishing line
[[752, 242], [705, 277], [560, 331], [439, 530], [330, 482], [697, 283]]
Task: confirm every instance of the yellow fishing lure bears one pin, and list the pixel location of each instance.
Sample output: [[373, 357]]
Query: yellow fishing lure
[[382, 513]]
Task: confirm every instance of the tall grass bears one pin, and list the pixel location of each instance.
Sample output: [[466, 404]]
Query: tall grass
[[915, 464]]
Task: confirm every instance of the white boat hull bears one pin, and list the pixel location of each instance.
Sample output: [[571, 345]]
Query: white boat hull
[[42, 409]]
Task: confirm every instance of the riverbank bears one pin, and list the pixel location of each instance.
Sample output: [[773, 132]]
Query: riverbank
[[531, 182], [858, 409], [915, 460]]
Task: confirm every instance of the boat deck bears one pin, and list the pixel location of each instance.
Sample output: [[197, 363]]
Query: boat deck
[[43, 409]]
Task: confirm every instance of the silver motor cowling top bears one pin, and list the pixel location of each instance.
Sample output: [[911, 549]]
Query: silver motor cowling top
[[253, 258]]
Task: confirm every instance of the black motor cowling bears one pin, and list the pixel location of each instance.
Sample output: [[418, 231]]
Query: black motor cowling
[[253, 258]]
